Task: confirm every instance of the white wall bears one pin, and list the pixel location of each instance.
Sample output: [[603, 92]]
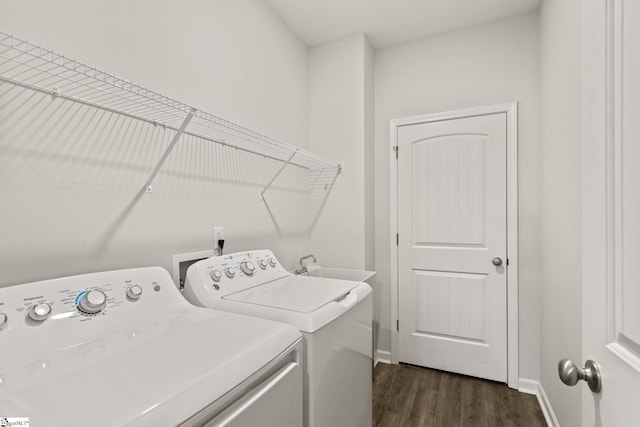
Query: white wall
[[483, 65], [369, 158], [341, 122], [561, 102], [70, 174], [339, 129]]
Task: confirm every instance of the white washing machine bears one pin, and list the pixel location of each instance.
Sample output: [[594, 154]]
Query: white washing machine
[[334, 316], [123, 348]]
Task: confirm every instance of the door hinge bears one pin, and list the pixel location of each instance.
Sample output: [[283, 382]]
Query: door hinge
[[396, 149], [397, 239], [398, 325]]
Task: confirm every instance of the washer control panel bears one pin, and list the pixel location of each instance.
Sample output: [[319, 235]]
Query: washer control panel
[[99, 297], [222, 275]]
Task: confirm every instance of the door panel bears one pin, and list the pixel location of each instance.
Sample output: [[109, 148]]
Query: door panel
[[452, 222], [611, 211], [628, 178], [451, 304], [448, 190]]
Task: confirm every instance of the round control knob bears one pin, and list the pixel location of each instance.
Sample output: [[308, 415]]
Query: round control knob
[[230, 272], [39, 312], [92, 302], [215, 275], [134, 292], [247, 268], [263, 264], [3, 320], [272, 262]]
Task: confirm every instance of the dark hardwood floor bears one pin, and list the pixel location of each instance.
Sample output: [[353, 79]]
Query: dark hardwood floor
[[410, 396]]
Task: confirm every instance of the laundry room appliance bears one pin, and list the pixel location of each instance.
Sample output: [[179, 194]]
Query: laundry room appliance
[[123, 348], [334, 316]]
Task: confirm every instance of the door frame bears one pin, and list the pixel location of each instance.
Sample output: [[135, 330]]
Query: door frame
[[511, 110]]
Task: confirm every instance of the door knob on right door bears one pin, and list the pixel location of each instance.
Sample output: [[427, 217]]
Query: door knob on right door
[[570, 374], [497, 261]]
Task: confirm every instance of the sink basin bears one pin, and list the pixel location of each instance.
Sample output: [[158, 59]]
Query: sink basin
[[315, 270]]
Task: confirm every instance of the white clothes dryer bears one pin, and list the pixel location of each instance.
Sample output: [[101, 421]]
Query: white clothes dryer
[[123, 348], [334, 316]]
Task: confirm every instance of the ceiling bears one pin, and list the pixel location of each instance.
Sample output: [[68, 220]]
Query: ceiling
[[389, 22]]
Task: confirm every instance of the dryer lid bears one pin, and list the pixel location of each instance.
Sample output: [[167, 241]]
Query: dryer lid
[[301, 294], [158, 372]]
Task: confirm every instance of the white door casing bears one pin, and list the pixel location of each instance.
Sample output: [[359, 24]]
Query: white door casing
[[611, 210], [446, 215]]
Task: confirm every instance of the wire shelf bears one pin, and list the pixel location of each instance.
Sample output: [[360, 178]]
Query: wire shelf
[[27, 65]]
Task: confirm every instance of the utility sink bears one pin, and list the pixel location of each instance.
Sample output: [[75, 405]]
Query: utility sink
[[315, 270]]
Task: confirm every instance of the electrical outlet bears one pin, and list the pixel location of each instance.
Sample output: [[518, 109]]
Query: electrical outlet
[[218, 234]]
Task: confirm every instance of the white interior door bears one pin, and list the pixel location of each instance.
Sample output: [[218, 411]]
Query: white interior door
[[611, 211], [452, 226]]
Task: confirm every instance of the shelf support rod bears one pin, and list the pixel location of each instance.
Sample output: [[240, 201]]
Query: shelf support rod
[[174, 141], [277, 174]]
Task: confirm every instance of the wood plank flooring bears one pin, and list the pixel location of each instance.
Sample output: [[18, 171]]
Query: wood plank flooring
[[410, 396]]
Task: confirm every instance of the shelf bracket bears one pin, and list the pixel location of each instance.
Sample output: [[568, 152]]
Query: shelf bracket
[[174, 141], [277, 174]]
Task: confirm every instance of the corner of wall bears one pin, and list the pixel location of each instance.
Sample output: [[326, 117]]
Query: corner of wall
[[369, 156], [535, 387], [340, 120]]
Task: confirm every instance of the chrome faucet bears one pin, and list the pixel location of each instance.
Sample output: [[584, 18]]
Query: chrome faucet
[[302, 268]]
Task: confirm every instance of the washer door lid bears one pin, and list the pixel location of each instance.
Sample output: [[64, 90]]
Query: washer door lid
[[160, 372], [302, 294]]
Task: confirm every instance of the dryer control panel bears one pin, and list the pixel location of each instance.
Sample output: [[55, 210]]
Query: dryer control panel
[[59, 306], [209, 280]]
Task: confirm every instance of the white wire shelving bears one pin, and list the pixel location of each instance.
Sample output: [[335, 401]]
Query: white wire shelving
[[33, 67]]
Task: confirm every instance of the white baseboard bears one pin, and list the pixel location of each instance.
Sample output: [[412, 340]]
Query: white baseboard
[[528, 386], [547, 410], [382, 357], [534, 387]]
